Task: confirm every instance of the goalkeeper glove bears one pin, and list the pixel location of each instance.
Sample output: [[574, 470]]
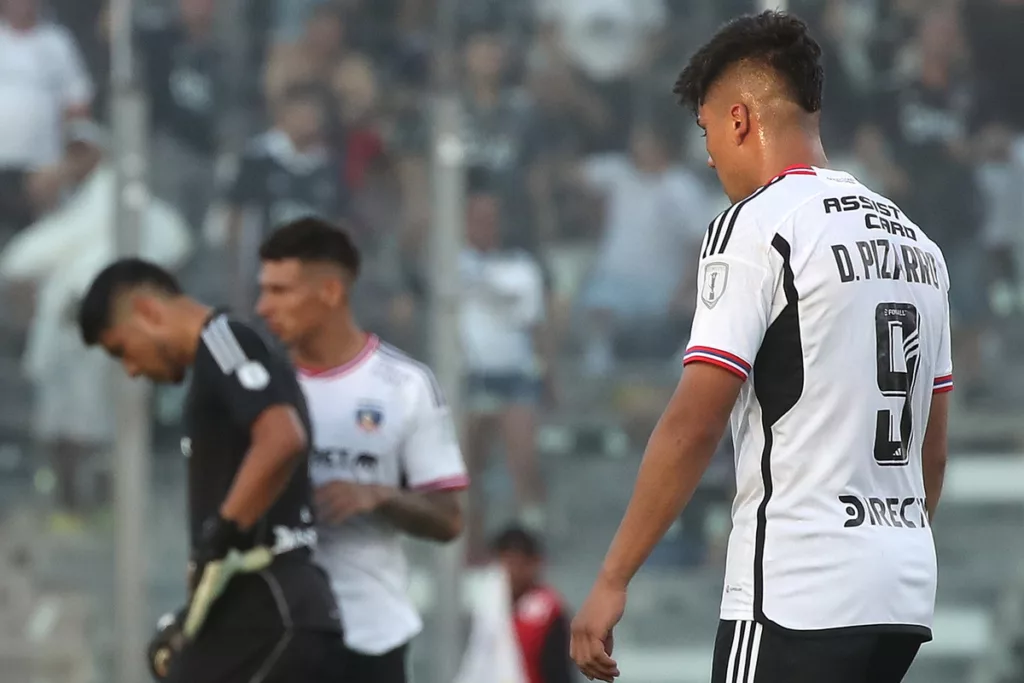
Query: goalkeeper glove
[[165, 644], [223, 551]]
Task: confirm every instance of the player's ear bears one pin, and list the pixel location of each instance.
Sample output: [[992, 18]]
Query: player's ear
[[332, 291], [739, 120], [147, 309]]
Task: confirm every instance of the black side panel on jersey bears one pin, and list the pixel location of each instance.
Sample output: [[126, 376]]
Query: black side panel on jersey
[[778, 384]]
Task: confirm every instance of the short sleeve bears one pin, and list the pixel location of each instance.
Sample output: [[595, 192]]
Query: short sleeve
[[943, 381], [736, 282], [75, 86], [245, 375], [430, 456]]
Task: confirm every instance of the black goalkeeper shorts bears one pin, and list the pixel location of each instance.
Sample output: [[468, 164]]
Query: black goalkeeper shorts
[[746, 652], [262, 656], [389, 667]]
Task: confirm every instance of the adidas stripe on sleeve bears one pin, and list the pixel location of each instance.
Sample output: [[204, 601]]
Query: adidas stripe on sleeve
[[242, 370]]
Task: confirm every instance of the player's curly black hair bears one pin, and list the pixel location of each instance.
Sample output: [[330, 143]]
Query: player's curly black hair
[[771, 39], [312, 240], [96, 307]]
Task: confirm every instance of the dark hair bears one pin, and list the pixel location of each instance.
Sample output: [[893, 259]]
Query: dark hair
[[774, 40], [312, 240], [94, 312], [518, 540]]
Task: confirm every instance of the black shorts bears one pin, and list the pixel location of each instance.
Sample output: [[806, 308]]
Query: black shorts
[[384, 668], [746, 652], [262, 656]]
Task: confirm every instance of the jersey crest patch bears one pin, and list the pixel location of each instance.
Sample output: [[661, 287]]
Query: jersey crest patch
[[716, 277], [252, 375], [369, 418]]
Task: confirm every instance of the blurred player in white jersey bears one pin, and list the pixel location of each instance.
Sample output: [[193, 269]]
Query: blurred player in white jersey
[[386, 460], [822, 334]]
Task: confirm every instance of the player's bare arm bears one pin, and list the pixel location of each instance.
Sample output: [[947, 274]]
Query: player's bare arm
[[279, 444], [433, 515], [934, 452], [677, 454]]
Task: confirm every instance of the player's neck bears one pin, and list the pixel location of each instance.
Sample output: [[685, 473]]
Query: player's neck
[[193, 316], [792, 152], [337, 345]]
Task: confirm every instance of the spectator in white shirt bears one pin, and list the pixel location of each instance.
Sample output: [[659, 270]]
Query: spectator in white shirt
[[655, 216], [502, 310], [43, 88], [59, 255]]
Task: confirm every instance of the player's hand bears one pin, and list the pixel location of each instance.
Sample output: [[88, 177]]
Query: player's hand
[[165, 644], [223, 551], [338, 501], [591, 643]]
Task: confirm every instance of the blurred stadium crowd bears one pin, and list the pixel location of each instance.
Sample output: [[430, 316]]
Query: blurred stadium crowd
[[588, 195]]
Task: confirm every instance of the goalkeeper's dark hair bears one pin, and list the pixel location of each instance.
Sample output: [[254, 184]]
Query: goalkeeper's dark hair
[[95, 312], [518, 540], [312, 240], [771, 40]]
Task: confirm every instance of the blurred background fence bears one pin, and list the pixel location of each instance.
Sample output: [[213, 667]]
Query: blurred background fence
[[575, 161]]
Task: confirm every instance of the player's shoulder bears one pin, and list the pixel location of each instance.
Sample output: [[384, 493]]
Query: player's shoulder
[[413, 378], [767, 218], [842, 192], [746, 227], [232, 344]]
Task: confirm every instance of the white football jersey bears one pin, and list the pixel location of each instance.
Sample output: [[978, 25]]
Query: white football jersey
[[379, 419], [832, 305]]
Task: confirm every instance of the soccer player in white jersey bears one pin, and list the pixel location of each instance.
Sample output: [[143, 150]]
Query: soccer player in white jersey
[[386, 460], [822, 336]]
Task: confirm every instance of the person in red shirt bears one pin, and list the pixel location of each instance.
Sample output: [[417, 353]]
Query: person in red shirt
[[539, 613]]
